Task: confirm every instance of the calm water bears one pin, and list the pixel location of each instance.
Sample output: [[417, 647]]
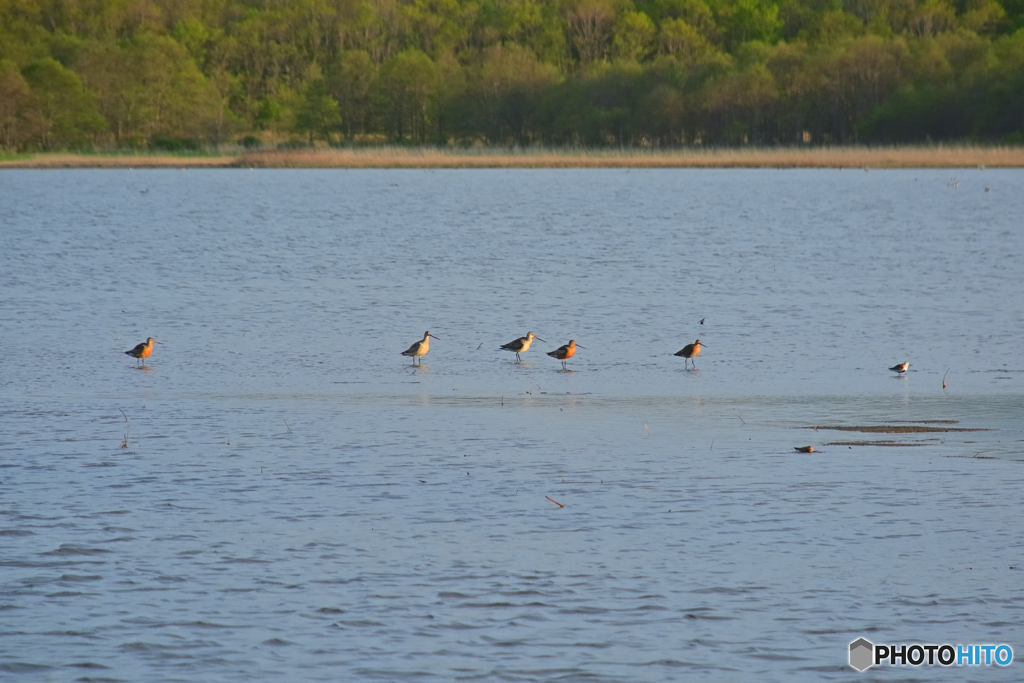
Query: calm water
[[297, 502]]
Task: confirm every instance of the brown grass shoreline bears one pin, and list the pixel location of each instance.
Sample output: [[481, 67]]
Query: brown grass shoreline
[[936, 156]]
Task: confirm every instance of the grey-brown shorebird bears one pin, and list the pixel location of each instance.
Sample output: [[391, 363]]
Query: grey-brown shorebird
[[521, 345], [420, 348]]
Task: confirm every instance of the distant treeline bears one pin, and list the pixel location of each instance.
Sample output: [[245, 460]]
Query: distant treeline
[[176, 74]]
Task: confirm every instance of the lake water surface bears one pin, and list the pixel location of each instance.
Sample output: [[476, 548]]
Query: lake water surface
[[296, 501]]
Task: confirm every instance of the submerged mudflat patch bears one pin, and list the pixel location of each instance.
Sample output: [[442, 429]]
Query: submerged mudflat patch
[[898, 429], [873, 443]]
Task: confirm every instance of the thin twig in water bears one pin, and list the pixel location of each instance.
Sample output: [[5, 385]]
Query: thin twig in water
[[648, 430], [944, 378], [741, 419], [124, 442], [712, 445], [286, 425], [554, 501]]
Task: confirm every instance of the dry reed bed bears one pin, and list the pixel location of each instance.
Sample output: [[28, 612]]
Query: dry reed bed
[[119, 161], [841, 157], [433, 157]]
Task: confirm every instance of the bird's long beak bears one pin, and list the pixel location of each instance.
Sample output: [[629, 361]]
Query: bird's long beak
[[539, 339], [430, 335], [703, 344], [580, 346]]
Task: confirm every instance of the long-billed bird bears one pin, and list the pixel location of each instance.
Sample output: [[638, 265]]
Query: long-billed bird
[[142, 350], [564, 353], [689, 352], [420, 348], [521, 345]]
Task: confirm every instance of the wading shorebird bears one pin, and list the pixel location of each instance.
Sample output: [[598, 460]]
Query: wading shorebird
[[142, 350], [689, 352], [521, 345], [901, 368], [564, 353], [420, 348]]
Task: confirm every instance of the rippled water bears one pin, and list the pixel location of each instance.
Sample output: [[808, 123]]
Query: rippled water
[[295, 501]]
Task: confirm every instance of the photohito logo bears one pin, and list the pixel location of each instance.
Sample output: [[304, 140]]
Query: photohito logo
[[865, 654]]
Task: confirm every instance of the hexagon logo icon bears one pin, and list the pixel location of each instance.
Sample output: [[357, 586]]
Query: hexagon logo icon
[[861, 654]]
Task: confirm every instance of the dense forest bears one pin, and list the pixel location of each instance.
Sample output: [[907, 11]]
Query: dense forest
[[173, 74]]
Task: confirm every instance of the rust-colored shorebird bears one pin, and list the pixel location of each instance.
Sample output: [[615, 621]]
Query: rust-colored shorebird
[[690, 351], [142, 350], [901, 368], [420, 348], [805, 449], [521, 345], [564, 353]]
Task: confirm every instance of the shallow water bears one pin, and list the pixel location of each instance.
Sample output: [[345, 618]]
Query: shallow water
[[297, 501]]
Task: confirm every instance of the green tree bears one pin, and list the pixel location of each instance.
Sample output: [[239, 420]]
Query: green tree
[[508, 90], [405, 87], [318, 113], [150, 86], [69, 114], [682, 41], [438, 26], [738, 105], [750, 20], [983, 16], [634, 36], [20, 117], [349, 81]]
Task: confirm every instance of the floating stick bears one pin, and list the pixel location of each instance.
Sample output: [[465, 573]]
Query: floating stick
[[124, 442], [554, 501]]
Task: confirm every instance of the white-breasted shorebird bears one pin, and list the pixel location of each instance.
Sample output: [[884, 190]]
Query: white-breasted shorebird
[[564, 353], [901, 368], [420, 348], [521, 345], [689, 352], [142, 350]]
